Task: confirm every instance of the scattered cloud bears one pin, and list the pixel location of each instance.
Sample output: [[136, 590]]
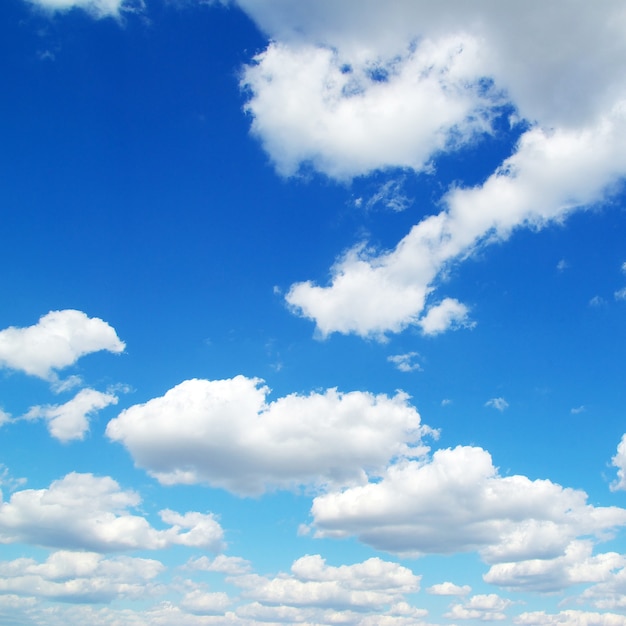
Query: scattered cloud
[[562, 265], [578, 409], [499, 404], [597, 301], [225, 433], [620, 294], [57, 341], [570, 618], [70, 421], [405, 362], [457, 502], [85, 512]]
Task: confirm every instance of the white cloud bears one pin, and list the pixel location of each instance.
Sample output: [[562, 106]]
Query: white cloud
[[82, 511], [577, 565], [619, 461], [80, 577], [372, 584], [570, 618], [551, 174], [58, 340], [458, 502], [199, 602], [449, 589], [390, 196], [500, 404], [313, 105], [71, 420], [405, 362], [486, 607], [620, 294], [449, 313], [231, 565], [96, 8], [226, 434], [337, 92]]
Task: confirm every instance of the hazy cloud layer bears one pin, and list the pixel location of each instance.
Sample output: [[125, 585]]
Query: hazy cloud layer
[[226, 434]]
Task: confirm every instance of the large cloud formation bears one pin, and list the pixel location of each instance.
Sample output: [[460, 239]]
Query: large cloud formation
[[225, 433], [457, 501], [352, 87]]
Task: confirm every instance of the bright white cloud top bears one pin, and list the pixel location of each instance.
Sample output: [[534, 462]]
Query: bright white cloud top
[[203, 176]]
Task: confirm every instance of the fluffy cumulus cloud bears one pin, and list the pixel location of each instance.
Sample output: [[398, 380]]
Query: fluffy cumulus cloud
[[71, 420], [225, 433], [484, 607], [82, 511], [457, 501], [576, 565], [337, 92], [80, 577], [449, 589], [58, 340], [371, 585], [570, 618]]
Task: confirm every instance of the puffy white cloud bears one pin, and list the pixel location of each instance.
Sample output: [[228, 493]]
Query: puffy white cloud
[[58, 340], [619, 461], [449, 589], [500, 404], [456, 501], [487, 607], [82, 511], [576, 565], [97, 8], [225, 433], [80, 577], [551, 174], [313, 105], [71, 420], [199, 602], [372, 584]]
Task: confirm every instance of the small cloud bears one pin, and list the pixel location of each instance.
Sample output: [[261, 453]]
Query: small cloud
[[4, 417], [304, 530], [562, 265], [497, 403], [405, 362], [71, 382], [449, 313], [578, 409], [624, 267], [620, 294], [358, 202], [276, 290], [446, 402], [597, 301], [449, 589], [389, 196], [6, 480]]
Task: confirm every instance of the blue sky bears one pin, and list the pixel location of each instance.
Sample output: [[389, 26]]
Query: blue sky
[[313, 313]]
